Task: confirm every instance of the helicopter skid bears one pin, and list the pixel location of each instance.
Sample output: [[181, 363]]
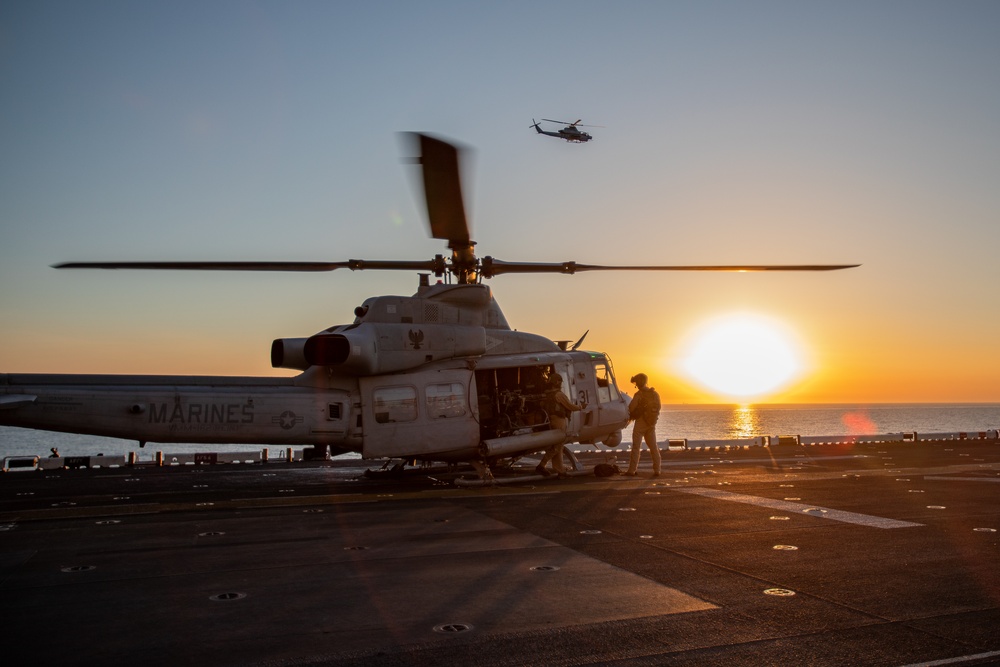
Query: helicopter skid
[[488, 478], [519, 479]]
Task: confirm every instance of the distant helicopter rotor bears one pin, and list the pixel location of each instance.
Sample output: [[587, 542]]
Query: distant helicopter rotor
[[576, 123]]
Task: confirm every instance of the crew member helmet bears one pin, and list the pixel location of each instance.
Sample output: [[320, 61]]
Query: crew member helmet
[[639, 378]]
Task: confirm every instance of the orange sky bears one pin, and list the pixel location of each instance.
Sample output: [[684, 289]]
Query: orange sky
[[747, 133]]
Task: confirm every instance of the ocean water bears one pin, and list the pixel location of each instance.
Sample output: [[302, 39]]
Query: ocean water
[[694, 422], [723, 422]]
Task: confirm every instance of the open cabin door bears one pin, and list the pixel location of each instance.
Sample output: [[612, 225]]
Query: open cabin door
[[512, 398], [419, 415]]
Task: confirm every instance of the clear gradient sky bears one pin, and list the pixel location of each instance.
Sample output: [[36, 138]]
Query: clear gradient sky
[[735, 132]]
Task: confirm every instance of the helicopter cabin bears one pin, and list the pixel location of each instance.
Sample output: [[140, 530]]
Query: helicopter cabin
[[497, 408]]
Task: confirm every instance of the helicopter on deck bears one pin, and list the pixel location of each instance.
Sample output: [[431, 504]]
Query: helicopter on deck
[[437, 376], [569, 133]]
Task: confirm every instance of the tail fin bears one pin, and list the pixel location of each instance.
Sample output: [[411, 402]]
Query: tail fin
[[534, 124]]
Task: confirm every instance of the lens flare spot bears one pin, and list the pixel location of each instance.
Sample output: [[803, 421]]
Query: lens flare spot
[[858, 423]]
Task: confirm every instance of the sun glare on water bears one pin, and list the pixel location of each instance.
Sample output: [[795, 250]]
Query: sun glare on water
[[742, 356]]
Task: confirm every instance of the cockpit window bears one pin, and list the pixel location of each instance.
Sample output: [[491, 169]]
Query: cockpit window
[[606, 389]]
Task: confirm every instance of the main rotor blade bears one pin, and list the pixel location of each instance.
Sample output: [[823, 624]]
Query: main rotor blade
[[494, 267], [443, 191], [352, 264]]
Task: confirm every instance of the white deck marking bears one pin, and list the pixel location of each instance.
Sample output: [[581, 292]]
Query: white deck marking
[[956, 661], [995, 480], [800, 508]]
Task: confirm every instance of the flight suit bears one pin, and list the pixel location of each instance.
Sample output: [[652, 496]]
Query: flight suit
[[558, 422], [645, 410]]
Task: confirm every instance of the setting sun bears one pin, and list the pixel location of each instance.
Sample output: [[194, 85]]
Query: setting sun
[[742, 356]]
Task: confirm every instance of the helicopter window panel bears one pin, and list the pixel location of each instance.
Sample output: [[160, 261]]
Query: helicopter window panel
[[395, 404], [606, 389], [445, 400]]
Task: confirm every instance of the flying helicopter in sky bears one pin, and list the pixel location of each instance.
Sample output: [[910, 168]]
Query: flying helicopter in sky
[[436, 376], [569, 133]]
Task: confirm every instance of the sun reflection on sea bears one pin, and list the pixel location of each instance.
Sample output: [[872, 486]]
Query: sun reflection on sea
[[745, 423]]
